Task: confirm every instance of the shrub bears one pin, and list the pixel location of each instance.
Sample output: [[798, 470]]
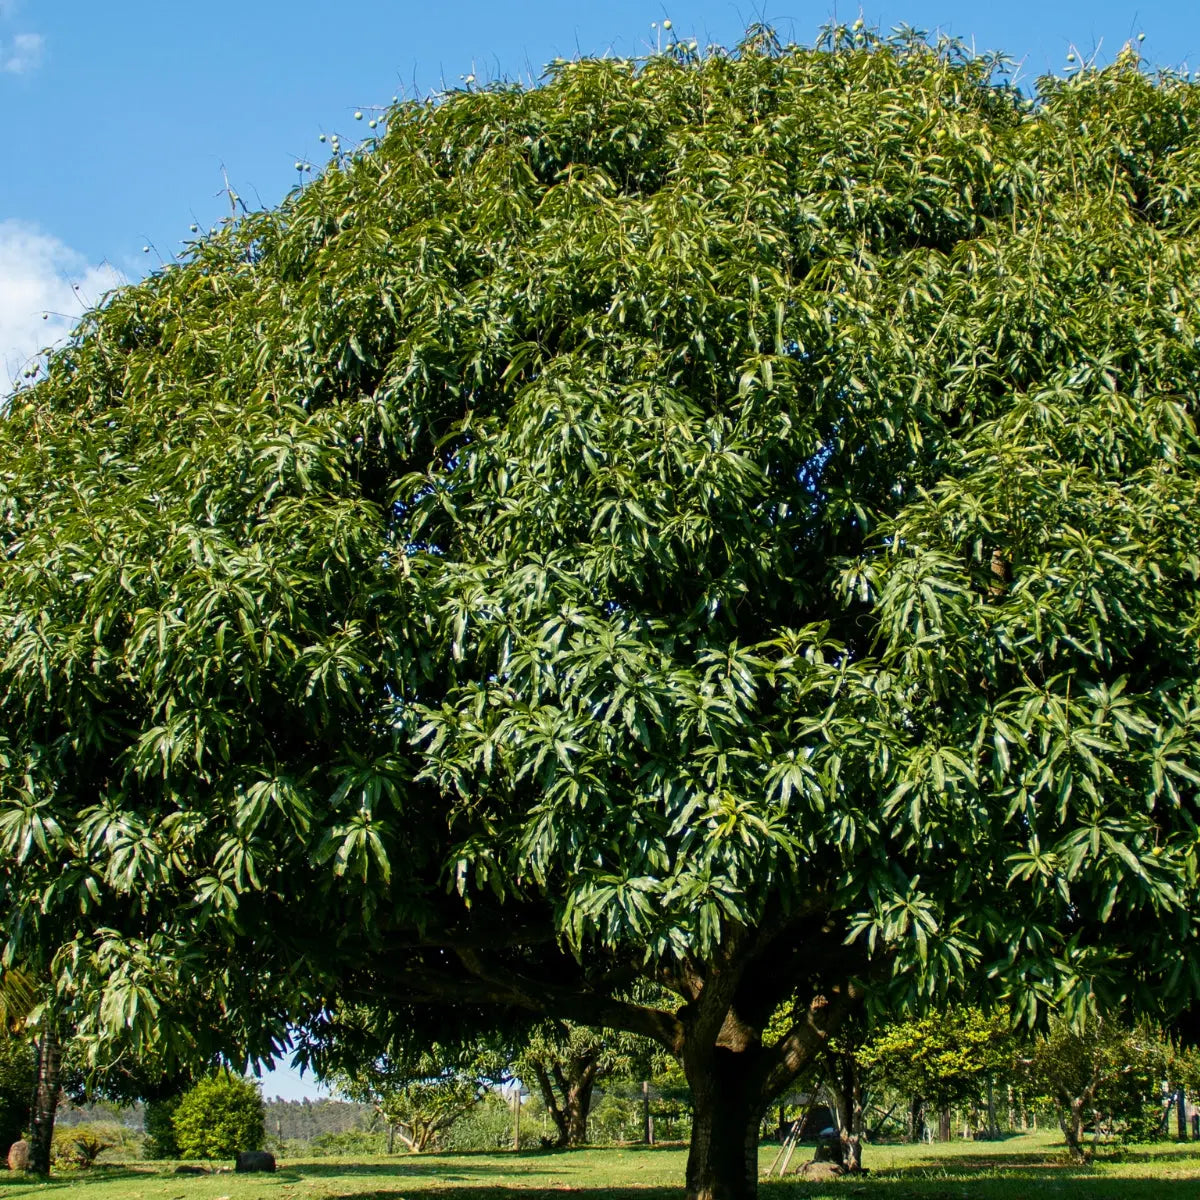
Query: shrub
[[488, 1126], [219, 1117], [158, 1122], [80, 1145]]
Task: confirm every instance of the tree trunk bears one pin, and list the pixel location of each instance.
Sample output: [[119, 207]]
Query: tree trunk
[[1072, 1127], [844, 1085], [851, 1142], [568, 1096], [723, 1156], [944, 1131], [916, 1119], [578, 1102], [556, 1110], [45, 1102]]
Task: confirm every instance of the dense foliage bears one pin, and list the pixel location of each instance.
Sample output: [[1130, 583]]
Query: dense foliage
[[943, 1058], [729, 518], [219, 1118]]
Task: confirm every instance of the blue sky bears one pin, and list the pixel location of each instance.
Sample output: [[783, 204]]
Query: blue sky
[[121, 119]]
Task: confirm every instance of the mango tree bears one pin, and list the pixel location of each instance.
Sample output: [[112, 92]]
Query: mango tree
[[726, 520]]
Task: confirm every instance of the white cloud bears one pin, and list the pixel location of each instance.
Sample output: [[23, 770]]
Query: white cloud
[[41, 275], [21, 53]]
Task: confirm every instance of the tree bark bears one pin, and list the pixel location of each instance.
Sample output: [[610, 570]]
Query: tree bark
[[944, 1131], [45, 1101], [723, 1156], [556, 1110], [734, 1078]]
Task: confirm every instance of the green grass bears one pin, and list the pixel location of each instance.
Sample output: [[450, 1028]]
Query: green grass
[[1032, 1165]]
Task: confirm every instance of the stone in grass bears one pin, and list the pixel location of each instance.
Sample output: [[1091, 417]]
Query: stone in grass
[[255, 1160], [821, 1171], [18, 1156]]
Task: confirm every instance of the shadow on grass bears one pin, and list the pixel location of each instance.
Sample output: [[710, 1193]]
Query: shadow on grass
[[1052, 1158], [518, 1192], [1162, 1153], [1016, 1187], [424, 1166], [69, 1179], [1002, 1173]]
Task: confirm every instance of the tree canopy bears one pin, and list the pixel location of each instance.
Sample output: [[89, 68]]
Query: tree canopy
[[727, 519]]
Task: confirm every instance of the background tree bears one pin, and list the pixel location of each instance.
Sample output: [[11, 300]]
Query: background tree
[[159, 1126], [421, 1093], [1102, 1072], [942, 1059], [28, 1011], [565, 1062], [727, 519], [18, 1067]]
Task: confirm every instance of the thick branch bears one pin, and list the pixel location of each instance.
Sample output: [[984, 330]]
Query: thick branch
[[806, 1039], [557, 1114], [485, 981]]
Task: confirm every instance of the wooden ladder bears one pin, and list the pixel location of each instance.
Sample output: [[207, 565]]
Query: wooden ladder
[[787, 1149]]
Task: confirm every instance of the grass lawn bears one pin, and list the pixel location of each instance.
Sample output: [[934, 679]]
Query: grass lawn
[[1032, 1165]]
